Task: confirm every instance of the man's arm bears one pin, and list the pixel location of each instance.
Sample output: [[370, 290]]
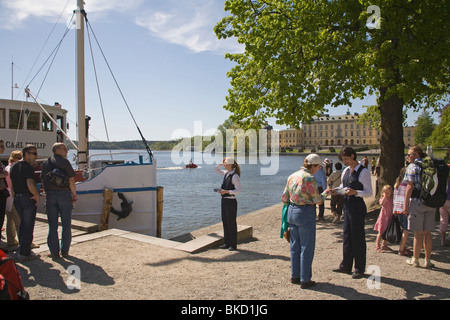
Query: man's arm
[[32, 187], [73, 189], [408, 194]]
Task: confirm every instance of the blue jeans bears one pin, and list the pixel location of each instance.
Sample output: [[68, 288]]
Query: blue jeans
[[302, 222], [26, 209], [59, 204]]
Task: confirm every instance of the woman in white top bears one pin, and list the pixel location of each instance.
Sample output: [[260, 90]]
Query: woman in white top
[[231, 186]]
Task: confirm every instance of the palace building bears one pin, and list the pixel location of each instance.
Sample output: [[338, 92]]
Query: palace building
[[327, 131]]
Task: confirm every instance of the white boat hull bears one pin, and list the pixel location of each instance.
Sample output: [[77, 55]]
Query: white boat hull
[[137, 182]]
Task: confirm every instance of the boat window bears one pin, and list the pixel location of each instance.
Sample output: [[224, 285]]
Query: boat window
[[33, 120], [60, 122], [2, 118], [47, 124], [15, 119]]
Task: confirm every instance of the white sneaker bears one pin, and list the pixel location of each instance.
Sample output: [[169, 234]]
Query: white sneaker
[[413, 262]]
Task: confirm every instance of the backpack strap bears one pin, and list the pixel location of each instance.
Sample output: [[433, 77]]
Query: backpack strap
[[416, 192]]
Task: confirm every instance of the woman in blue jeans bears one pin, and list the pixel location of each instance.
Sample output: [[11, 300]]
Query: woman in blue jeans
[[301, 193]]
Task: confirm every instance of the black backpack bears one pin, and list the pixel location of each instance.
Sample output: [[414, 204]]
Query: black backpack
[[434, 182], [55, 175]]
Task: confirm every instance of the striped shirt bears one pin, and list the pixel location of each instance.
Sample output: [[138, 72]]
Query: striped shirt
[[413, 174]]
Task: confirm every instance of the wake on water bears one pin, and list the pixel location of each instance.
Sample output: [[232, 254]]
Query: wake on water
[[176, 168]]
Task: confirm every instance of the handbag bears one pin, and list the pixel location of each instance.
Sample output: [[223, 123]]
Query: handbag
[[285, 232], [4, 193], [287, 235], [393, 233]]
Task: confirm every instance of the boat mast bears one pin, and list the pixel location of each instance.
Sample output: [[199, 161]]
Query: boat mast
[[81, 105]]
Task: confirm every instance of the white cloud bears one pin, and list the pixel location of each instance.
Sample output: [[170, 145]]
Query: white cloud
[[190, 24], [13, 13]]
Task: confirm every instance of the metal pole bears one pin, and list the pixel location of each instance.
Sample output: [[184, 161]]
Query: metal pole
[[81, 105]]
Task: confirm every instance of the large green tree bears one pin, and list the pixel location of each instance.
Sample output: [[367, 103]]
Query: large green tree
[[441, 134], [303, 56], [424, 128]]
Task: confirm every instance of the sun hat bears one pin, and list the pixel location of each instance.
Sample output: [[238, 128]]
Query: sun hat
[[313, 159], [229, 161]]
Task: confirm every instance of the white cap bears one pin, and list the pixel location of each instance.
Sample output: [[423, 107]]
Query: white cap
[[313, 159], [229, 161]]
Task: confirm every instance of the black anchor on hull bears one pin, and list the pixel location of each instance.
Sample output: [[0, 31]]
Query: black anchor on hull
[[126, 208]]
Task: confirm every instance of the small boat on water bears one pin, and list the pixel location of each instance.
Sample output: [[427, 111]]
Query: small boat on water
[[191, 165], [133, 184]]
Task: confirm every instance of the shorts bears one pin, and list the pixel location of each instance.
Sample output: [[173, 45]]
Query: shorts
[[421, 217], [403, 219]]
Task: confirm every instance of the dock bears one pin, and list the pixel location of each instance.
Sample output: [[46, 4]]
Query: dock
[[86, 231], [78, 228]]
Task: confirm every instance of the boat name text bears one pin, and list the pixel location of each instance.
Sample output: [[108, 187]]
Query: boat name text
[[21, 144]]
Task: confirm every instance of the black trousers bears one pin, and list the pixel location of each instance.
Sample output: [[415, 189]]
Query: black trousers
[[321, 206], [3, 198], [354, 245], [229, 214]]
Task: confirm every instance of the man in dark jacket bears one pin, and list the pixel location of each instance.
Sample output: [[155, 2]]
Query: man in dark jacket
[[60, 198]]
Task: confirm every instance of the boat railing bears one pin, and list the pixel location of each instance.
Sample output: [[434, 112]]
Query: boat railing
[[97, 163]]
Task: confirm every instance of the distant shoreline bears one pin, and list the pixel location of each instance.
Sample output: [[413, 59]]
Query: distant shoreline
[[330, 154]]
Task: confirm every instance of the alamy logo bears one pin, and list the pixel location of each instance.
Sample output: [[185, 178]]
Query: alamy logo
[[74, 281], [243, 145], [374, 21], [374, 280]]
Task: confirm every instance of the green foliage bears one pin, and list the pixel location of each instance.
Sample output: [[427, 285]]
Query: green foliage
[[303, 55], [425, 126], [131, 145], [441, 134]]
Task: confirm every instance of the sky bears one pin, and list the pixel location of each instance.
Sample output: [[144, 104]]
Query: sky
[[165, 56]]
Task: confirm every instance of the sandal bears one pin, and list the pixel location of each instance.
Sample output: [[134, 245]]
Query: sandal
[[405, 252], [386, 248]]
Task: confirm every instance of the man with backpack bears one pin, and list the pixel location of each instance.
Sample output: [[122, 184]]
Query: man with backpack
[[59, 185], [421, 218]]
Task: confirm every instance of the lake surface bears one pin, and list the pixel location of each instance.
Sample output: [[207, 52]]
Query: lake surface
[[189, 200]]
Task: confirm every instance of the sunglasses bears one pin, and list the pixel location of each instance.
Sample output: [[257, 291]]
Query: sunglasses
[[33, 153]]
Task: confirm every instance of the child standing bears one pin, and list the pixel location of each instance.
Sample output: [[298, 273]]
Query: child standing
[[399, 199], [386, 202]]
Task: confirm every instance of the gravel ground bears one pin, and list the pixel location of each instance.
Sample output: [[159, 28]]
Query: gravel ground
[[113, 268]]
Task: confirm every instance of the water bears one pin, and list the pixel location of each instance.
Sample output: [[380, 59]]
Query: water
[[189, 200]]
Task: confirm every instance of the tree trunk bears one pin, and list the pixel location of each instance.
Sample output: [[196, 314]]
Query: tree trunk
[[392, 157]]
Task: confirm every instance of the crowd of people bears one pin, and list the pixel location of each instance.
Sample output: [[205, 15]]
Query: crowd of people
[[348, 187], [306, 191], [19, 196]]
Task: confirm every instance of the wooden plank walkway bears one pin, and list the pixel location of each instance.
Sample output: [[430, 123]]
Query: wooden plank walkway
[[41, 229], [78, 228]]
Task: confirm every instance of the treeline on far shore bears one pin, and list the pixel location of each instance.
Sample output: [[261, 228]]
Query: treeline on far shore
[[131, 145]]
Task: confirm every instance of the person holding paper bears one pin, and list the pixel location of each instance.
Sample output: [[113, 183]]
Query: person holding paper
[[356, 179]]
